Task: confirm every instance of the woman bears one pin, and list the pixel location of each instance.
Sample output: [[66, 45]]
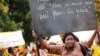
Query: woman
[[69, 48]]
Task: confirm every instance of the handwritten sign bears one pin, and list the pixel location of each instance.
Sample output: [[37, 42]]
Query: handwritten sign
[[59, 16], [11, 39]]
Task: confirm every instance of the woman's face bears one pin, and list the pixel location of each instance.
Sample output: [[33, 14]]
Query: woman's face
[[69, 41]]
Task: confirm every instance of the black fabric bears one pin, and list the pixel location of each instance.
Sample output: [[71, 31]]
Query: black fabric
[[85, 51]]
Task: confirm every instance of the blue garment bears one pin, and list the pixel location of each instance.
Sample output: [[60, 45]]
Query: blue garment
[[1, 52]]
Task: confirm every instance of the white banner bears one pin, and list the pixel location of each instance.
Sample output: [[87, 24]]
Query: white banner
[[84, 35], [11, 39]]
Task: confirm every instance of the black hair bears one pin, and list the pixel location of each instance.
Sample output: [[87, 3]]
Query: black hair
[[70, 33], [10, 50]]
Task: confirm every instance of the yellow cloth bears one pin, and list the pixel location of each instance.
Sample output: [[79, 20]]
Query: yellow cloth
[[1, 47], [96, 50], [56, 55], [5, 53], [62, 35], [21, 49]]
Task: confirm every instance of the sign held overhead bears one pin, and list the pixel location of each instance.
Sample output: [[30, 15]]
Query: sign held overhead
[[52, 17]]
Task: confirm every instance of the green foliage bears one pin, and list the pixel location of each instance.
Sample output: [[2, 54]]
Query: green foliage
[[7, 24], [15, 15], [97, 8]]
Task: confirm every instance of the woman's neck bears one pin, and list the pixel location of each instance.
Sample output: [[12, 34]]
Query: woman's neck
[[69, 49]]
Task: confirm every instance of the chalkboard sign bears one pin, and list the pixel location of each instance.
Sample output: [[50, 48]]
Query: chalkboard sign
[[59, 16]]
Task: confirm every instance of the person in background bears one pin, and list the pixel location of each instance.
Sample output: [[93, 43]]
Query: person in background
[[33, 49], [5, 53], [33, 52], [96, 47], [43, 51], [1, 50], [11, 51], [23, 50]]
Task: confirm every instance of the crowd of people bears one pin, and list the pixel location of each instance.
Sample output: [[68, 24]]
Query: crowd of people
[[71, 47]]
